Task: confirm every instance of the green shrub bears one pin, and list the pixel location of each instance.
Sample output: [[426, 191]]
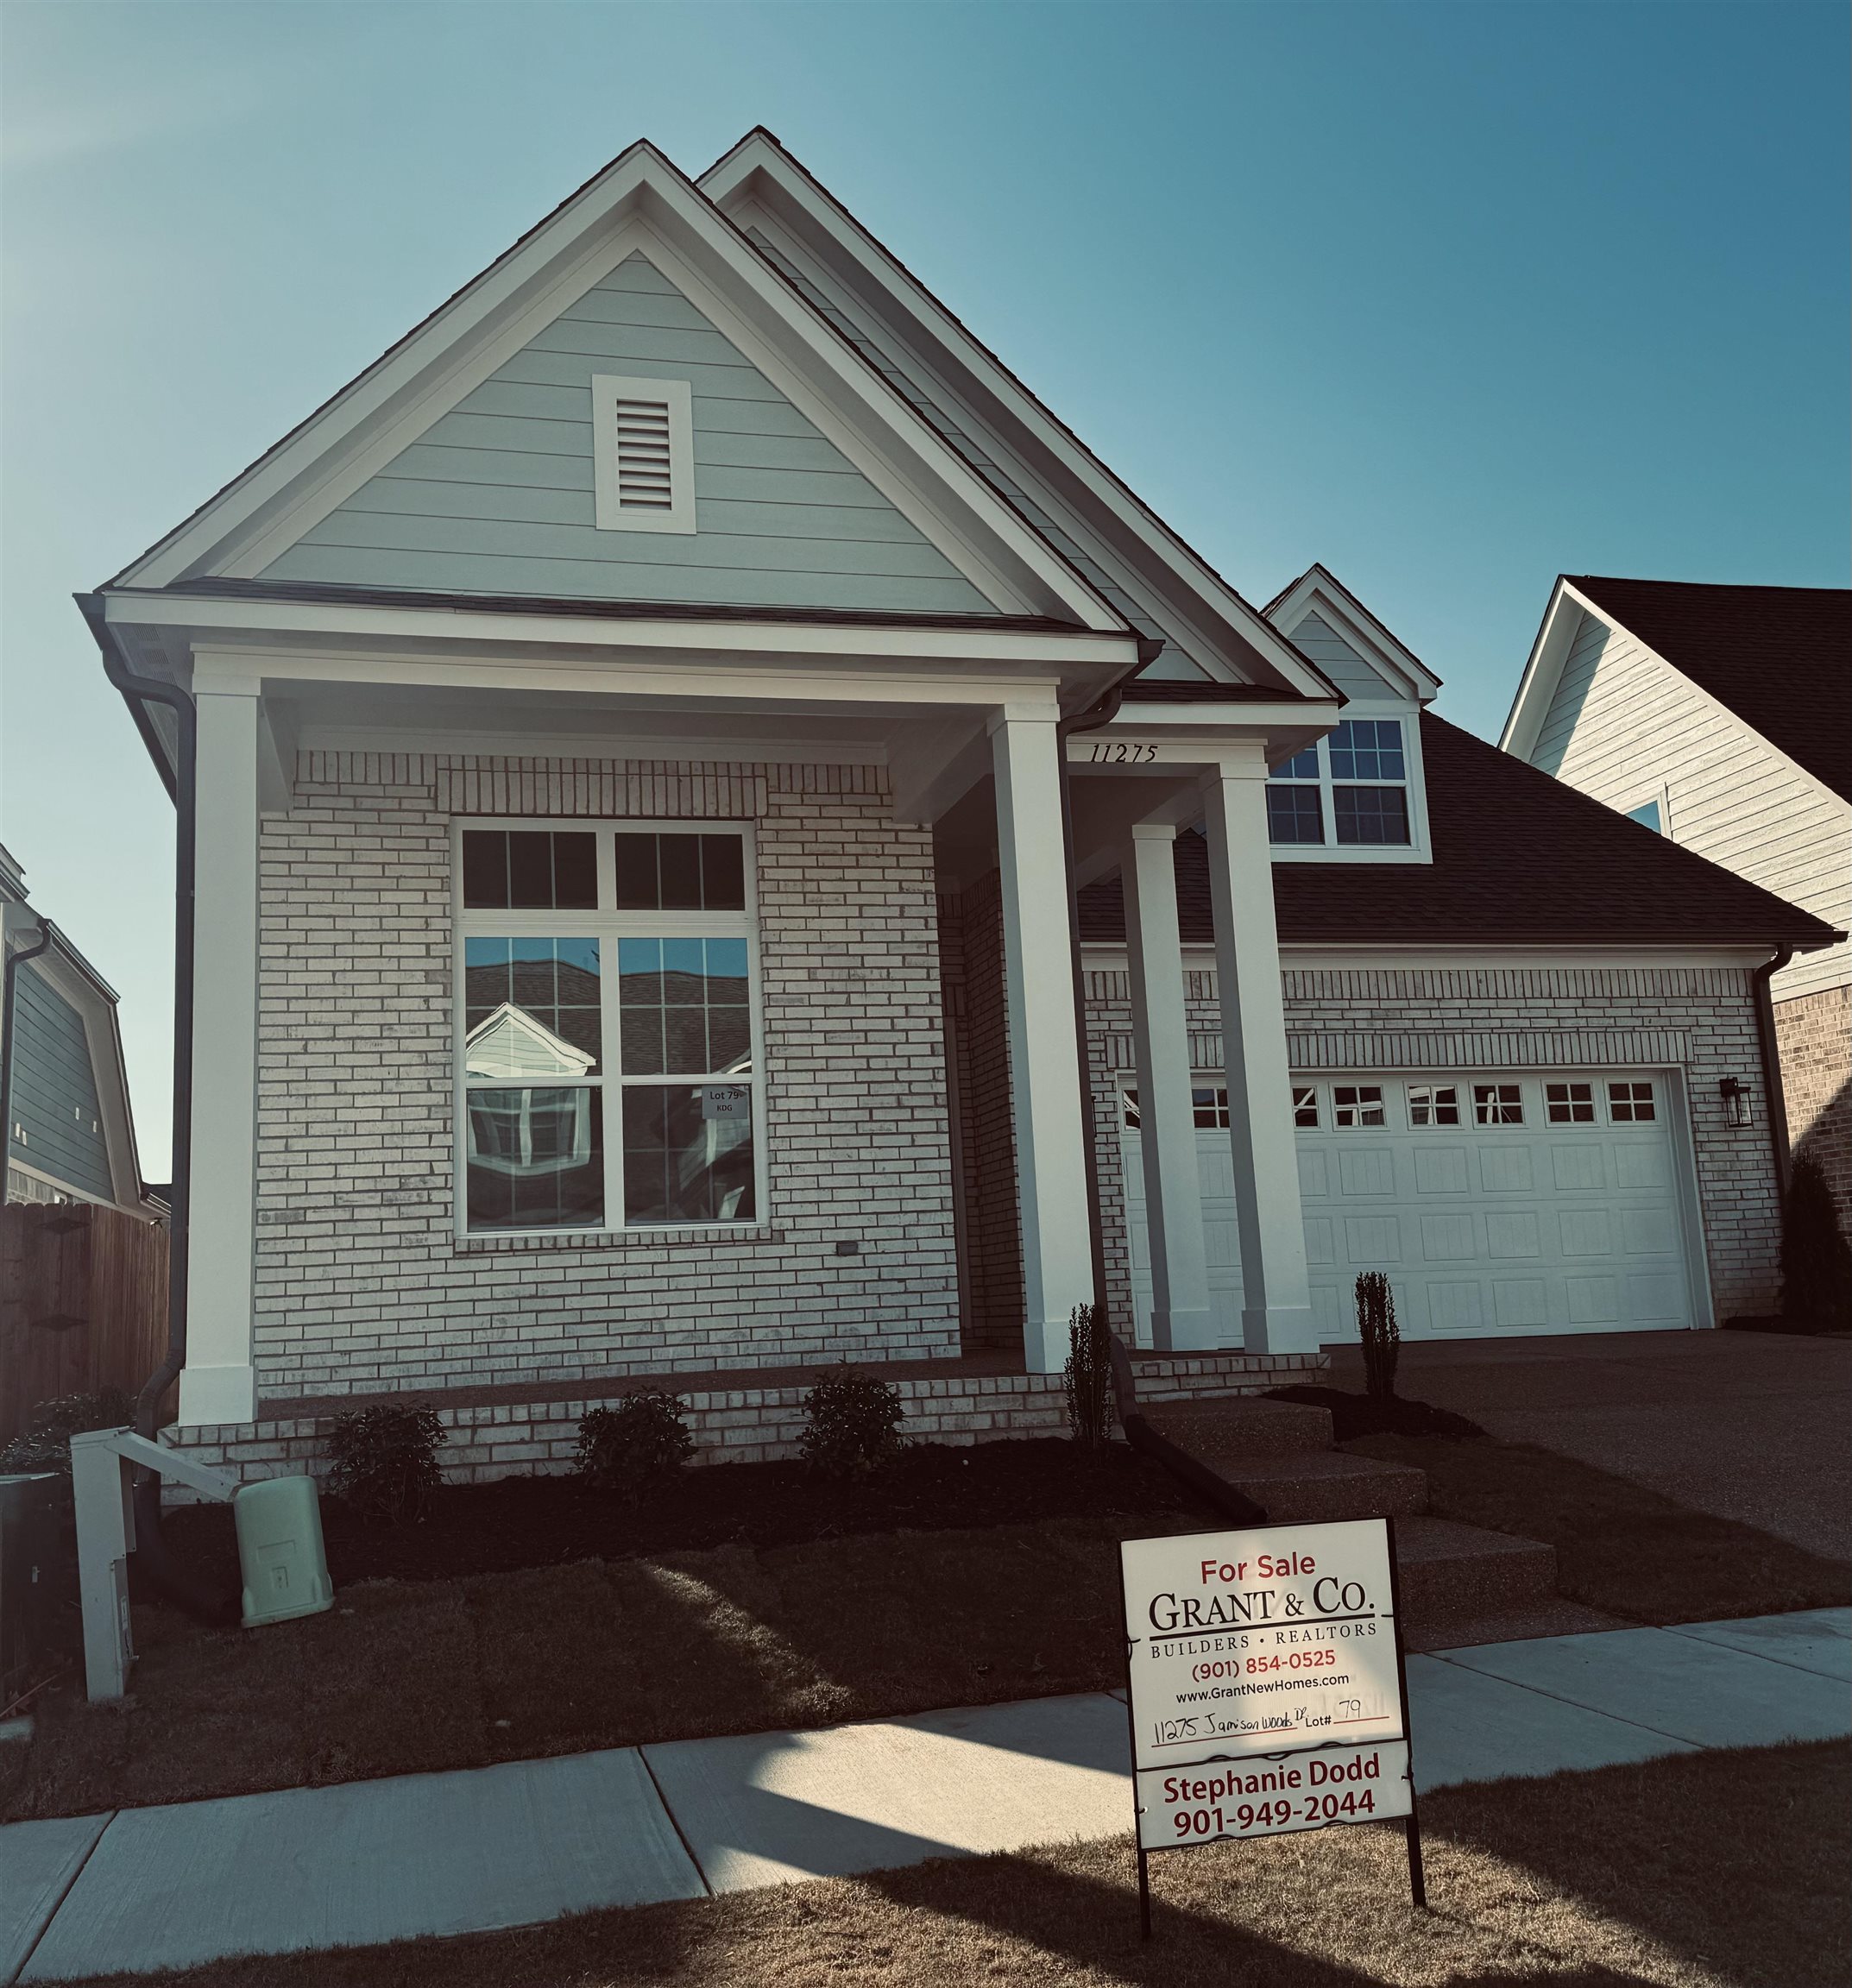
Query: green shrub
[[45, 1444], [1382, 1336], [636, 1447], [852, 1423], [385, 1461], [1815, 1261], [1088, 1375]]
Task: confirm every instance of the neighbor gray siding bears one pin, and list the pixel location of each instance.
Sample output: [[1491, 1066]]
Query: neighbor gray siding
[[1623, 726], [54, 1101], [496, 496]]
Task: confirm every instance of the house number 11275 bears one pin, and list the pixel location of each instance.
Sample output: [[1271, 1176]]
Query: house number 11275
[[1123, 751]]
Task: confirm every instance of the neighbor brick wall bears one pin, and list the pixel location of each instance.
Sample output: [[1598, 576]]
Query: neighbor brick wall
[[1814, 1033], [362, 1284], [1699, 1019]]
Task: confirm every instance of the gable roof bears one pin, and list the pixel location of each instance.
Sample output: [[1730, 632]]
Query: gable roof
[[759, 163], [1519, 859], [1779, 657], [639, 195], [1318, 592]]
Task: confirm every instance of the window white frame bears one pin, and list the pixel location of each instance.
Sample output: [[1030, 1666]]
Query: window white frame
[[610, 512], [1658, 798], [608, 926], [1417, 849]]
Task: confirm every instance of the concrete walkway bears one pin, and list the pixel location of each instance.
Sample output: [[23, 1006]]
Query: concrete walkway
[[528, 1841]]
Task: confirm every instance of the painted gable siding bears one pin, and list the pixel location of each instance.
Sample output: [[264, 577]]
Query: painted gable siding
[[54, 1092], [1622, 726], [1317, 638], [496, 496]]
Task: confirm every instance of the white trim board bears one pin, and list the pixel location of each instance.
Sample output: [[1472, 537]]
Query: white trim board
[[1104, 957]]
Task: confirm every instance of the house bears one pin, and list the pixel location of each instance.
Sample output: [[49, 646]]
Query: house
[[1721, 718], [70, 1135], [686, 747]]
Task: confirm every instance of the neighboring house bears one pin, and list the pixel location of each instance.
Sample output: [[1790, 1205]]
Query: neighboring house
[[70, 1136], [634, 925], [1721, 718]]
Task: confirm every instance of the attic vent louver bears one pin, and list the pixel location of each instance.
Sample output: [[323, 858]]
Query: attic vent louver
[[643, 443]]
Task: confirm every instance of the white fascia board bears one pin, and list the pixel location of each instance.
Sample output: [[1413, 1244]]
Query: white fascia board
[[1318, 591], [1110, 958], [640, 200], [1543, 668], [759, 170]]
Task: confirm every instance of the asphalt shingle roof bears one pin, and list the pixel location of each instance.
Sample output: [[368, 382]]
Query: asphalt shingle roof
[[1780, 657], [1520, 860]]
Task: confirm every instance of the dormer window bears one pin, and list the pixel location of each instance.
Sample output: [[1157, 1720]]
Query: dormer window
[[643, 449], [1350, 791]]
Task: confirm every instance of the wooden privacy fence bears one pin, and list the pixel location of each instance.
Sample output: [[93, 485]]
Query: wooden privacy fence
[[83, 1304]]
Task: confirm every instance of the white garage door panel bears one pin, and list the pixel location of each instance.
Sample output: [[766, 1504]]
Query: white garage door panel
[[1512, 1228]]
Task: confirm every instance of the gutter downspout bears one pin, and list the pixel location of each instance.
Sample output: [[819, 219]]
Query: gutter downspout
[[1772, 1085], [1101, 712], [209, 1603], [47, 933]]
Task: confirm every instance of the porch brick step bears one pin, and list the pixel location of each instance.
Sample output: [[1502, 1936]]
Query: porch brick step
[[1452, 1572], [1221, 1433], [1314, 1485]]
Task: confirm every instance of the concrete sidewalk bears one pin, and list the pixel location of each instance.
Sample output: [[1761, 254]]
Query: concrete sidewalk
[[528, 1840]]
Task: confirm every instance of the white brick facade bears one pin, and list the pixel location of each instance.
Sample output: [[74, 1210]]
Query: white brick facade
[[1698, 1020], [362, 1284]]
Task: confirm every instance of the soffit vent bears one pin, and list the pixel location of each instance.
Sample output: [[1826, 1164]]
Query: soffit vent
[[643, 443]]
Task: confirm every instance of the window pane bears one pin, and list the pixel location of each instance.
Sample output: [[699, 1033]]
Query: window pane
[[523, 868], [1306, 1107], [530, 1009], [688, 1153], [1570, 1104], [1497, 1104], [1434, 1104], [1367, 749], [684, 1005], [1630, 1103], [1357, 1105], [1295, 815], [680, 873], [1129, 1110], [1370, 816], [1209, 1106], [536, 1159], [1302, 766]]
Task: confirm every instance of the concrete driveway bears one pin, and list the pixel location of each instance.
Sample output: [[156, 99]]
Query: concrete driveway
[[1753, 1426]]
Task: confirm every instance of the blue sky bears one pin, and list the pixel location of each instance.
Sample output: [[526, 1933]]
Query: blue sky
[[1451, 297]]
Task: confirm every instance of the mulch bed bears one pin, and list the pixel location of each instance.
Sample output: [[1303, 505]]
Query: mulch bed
[[549, 1522], [1355, 1415]]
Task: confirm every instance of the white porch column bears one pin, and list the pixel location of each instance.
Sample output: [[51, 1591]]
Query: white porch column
[[218, 1383], [1181, 1316], [1044, 1059], [1276, 1310]]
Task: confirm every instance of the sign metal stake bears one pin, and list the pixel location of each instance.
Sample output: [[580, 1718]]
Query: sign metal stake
[[1131, 1740], [1417, 1879]]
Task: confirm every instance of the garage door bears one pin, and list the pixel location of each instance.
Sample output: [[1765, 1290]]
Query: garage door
[[1495, 1204]]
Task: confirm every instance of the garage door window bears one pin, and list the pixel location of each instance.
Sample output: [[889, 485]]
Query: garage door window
[[1570, 1104], [1497, 1104], [1306, 1107], [1631, 1104], [1434, 1104], [1356, 1107]]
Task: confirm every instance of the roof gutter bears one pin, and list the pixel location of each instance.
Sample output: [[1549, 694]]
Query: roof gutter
[[1772, 1085], [47, 933], [1101, 712]]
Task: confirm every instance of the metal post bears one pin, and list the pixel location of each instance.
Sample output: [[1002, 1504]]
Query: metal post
[[1417, 1880], [105, 1538]]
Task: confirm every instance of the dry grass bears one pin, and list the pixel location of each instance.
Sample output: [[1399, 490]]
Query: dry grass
[[403, 1677], [1620, 1547], [1704, 1870]]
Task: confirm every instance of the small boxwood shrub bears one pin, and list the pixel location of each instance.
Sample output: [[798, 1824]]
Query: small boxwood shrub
[[45, 1444], [636, 1447], [385, 1461], [852, 1423]]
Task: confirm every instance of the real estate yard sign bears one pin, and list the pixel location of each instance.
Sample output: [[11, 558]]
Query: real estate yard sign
[[1267, 1687]]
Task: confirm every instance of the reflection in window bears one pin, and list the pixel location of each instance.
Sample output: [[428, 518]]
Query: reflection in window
[[1370, 817], [536, 1159], [1367, 749], [1497, 1104], [1569, 1104], [1302, 766], [1357, 1106], [531, 1008], [1434, 1104], [684, 1005], [688, 1153], [1306, 1107], [1295, 815]]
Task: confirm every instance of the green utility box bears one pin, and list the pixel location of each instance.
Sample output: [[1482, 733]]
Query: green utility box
[[280, 1550]]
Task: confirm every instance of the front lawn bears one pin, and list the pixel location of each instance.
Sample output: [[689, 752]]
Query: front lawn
[[1620, 1547], [1702, 1871]]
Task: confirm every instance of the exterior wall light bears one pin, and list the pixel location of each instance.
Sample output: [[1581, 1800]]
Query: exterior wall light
[[1738, 1104]]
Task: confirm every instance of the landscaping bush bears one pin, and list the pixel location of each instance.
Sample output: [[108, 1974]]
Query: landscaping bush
[[852, 1423], [636, 1447], [385, 1461], [1088, 1375], [1382, 1336], [1815, 1261], [45, 1444]]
